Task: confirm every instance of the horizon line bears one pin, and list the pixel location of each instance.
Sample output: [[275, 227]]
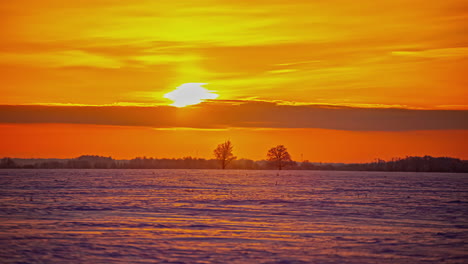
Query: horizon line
[[201, 158]]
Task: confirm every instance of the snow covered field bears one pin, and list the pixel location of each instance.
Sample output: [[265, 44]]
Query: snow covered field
[[214, 216]]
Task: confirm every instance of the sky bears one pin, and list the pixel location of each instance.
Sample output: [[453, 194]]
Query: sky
[[333, 81]]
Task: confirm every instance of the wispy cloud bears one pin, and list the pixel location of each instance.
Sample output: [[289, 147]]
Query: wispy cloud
[[335, 52], [60, 59], [459, 52]]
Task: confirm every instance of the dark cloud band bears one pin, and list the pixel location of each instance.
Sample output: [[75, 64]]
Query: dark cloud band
[[244, 114]]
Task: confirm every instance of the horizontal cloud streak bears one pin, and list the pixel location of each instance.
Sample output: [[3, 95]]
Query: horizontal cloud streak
[[242, 114]]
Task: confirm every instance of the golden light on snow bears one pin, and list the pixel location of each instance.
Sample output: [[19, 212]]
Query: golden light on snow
[[190, 94]]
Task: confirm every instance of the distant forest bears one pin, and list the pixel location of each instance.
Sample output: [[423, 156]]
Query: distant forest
[[414, 164]]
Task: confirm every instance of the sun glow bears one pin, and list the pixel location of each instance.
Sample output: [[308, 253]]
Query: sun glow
[[190, 94]]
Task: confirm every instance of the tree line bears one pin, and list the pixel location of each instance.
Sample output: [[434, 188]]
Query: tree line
[[277, 157]]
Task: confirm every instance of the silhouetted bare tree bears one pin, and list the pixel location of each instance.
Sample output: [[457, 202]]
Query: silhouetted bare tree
[[279, 156], [223, 153]]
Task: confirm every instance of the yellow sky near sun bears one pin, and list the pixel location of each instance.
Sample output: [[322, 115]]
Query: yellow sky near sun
[[409, 53]]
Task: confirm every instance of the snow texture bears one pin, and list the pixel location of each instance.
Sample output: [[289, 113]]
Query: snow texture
[[214, 216]]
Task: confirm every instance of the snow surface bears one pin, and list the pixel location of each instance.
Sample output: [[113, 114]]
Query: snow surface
[[214, 216]]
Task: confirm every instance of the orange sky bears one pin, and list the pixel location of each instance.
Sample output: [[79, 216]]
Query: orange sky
[[337, 53], [321, 145]]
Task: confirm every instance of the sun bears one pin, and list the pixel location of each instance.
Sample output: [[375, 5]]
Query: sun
[[190, 94]]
